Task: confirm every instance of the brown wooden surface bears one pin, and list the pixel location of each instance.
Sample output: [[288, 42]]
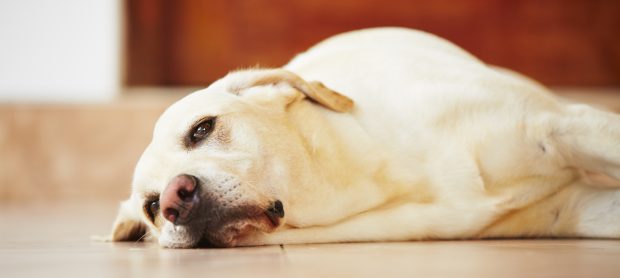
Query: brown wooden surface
[[194, 42], [52, 240]]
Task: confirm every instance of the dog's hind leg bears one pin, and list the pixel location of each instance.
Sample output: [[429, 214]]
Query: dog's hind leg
[[575, 211], [589, 139]]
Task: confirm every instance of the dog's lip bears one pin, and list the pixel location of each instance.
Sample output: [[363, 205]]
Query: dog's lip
[[231, 233], [275, 212], [228, 237], [273, 219]]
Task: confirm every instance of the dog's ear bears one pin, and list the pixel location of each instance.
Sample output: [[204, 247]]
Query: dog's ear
[[314, 90], [128, 225]]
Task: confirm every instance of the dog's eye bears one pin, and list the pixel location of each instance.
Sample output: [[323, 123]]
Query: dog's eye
[[202, 130], [152, 208]]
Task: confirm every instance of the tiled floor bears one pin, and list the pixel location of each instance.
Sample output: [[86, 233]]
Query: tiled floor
[[41, 238], [52, 240]]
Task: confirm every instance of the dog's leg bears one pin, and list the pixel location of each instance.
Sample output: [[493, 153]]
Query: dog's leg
[[408, 221], [590, 139], [575, 211]]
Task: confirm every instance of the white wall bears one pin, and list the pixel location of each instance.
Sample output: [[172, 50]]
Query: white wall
[[60, 50]]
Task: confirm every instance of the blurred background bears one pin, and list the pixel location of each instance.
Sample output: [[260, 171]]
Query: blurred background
[[83, 81], [559, 42]]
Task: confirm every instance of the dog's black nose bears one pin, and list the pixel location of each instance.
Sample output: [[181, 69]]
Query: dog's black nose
[[179, 199]]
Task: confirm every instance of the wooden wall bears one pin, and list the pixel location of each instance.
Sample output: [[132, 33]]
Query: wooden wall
[[78, 152], [194, 42]]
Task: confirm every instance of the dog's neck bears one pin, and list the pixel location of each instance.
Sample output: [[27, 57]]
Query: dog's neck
[[349, 172]]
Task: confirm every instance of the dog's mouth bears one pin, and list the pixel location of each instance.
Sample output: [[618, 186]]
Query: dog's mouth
[[233, 232], [225, 229]]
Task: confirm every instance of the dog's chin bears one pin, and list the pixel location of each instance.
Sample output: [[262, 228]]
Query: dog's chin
[[228, 235], [178, 236]]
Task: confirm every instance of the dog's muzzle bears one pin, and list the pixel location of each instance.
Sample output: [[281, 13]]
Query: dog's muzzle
[[186, 202]]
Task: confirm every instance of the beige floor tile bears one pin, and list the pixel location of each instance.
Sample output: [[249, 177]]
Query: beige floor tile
[[52, 240]]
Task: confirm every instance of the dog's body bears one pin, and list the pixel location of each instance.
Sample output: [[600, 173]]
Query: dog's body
[[438, 145]]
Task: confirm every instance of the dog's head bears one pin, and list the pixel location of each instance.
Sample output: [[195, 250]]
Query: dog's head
[[221, 162]]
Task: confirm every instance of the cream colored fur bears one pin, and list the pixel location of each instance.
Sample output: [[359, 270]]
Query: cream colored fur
[[438, 145]]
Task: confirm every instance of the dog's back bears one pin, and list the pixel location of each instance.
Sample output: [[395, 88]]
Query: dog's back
[[421, 96]]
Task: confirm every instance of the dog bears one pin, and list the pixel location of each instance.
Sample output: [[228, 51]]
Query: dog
[[384, 134]]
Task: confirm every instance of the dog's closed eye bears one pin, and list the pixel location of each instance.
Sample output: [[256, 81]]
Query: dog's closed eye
[[200, 131]]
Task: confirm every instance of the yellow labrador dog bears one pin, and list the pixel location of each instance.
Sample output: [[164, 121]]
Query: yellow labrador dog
[[383, 134]]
